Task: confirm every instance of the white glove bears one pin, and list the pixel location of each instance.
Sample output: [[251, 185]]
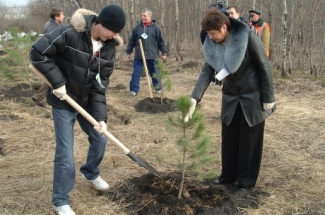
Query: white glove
[[268, 106], [60, 92], [191, 110], [101, 127]]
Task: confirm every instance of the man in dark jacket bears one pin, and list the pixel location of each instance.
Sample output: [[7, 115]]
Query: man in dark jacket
[[56, 18], [153, 42], [78, 59], [247, 94]]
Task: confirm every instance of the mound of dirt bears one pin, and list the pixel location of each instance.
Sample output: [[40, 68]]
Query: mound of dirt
[[19, 91], [148, 195], [155, 105]]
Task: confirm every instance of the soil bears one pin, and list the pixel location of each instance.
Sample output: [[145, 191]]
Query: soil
[[291, 180], [149, 194]]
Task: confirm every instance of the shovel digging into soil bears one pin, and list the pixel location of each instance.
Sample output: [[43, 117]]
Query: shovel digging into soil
[[87, 116]]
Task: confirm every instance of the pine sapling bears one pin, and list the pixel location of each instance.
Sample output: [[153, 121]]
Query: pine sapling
[[165, 77], [195, 147]]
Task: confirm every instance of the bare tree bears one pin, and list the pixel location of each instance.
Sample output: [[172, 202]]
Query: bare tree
[[253, 4], [284, 25], [312, 67], [177, 35]]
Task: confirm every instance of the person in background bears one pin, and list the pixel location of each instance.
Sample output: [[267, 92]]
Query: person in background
[[222, 7], [234, 13], [78, 59], [248, 100], [153, 41], [56, 18], [262, 28]]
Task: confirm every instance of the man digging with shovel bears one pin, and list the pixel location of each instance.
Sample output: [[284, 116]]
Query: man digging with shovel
[[77, 60]]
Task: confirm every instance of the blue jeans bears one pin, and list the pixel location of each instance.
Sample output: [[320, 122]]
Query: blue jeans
[[64, 166], [153, 72]]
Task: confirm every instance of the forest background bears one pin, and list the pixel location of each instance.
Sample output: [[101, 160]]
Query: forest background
[[297, 37]]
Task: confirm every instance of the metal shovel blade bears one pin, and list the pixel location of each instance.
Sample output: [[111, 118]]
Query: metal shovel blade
[[143, 163]]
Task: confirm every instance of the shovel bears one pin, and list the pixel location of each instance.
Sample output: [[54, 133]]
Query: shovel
[[146, 69], [87, 116]]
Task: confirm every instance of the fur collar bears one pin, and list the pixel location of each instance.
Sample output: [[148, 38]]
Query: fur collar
[[79, 22], [230, 55]]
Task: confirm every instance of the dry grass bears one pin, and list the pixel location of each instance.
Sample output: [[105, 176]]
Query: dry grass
[[292, 171]]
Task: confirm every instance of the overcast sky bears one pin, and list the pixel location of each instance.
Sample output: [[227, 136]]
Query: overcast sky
[[14, 2]]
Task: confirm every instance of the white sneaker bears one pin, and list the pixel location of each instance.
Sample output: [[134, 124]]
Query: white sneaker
[[98, 183], [132, 93], [159, 92], [63, 210]]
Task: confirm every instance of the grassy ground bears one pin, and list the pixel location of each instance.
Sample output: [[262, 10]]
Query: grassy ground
[[292, 171]]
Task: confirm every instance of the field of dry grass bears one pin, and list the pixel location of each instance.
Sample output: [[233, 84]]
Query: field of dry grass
[[292, 175]]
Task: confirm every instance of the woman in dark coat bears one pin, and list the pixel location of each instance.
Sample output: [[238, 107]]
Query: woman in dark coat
[[247, 94]]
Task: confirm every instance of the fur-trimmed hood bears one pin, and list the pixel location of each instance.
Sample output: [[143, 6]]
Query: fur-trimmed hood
[[79, 22], [230, 55]]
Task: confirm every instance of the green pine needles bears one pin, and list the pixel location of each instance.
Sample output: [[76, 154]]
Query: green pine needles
[[165, 78], [164, 74], [195, 147]]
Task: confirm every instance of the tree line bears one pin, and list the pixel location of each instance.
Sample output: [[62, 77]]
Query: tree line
[[297, 36]]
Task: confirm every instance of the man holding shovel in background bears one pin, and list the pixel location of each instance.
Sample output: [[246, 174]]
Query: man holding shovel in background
[[77, 60], [153, 42]]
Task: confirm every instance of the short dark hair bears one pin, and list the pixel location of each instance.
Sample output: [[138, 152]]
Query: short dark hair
[[55, 12], [235, 8], [214, 20]]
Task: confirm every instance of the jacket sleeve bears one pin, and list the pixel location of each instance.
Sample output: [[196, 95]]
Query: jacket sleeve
[[203, 82], [263, 65], [42, 56], [161, 43], [132, 42], [266, 35]]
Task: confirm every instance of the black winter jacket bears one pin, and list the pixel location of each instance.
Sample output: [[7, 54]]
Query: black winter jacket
[[249, 83], [65, 57], [151, 45]]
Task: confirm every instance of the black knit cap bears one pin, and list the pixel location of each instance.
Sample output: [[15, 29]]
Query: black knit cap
[[112, 17]]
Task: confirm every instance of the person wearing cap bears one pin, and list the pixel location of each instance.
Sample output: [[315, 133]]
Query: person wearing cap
[[262, 28], [237, 53], [56, 18], [78, 59], [152, 41]]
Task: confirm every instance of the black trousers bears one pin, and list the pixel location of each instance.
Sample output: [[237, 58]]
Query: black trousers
[[241, 151]]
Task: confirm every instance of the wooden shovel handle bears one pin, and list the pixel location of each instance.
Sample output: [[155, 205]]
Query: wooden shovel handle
[[80, 110], [145, 68]]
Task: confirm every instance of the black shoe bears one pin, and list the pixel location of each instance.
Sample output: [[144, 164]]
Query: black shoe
[[217, 181]]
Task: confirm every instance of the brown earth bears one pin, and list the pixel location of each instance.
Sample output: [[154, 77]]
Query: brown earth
[[292, 173]]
